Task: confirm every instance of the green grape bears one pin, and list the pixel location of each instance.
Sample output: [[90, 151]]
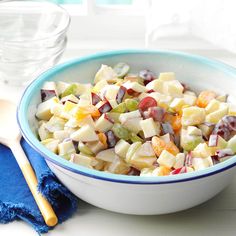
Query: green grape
[[135, 138], [121, 108], [84, 149], [131, 104], [121, 69], [72, 89], [120, 131]]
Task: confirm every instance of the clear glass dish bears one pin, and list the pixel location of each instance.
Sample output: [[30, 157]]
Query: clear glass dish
[[32, 38]]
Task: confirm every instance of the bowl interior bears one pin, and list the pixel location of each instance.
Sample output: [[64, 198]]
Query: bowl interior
[[197, 72]]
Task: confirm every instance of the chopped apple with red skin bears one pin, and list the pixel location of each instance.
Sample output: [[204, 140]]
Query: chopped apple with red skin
[[51, 144], [107, 155], [110, 92], [121, 93], [104, 106], [48, 91], [146, 150], [206, 129], [155, 85], [103, 124], [43, 132], [44, 108], [111, 139], [147, 76], [217, 141], [150, 127], [72, 98], [157, 113], [121, 148], [69, 106], [83, 160], [129, 115], [133, 124], [85, 134], [113, 104], [134, 86]]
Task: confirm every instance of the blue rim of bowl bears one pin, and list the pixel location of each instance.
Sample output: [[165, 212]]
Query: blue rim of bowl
[[57, 160]]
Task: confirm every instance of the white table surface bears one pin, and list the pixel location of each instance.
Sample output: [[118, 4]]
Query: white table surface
[[215, 217]]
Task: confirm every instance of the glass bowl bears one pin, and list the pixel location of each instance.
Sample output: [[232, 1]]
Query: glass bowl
[[32, 38]]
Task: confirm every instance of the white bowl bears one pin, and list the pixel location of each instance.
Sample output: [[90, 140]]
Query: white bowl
[[134, 194]]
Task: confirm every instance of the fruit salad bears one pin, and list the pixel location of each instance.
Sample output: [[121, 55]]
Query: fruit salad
[[139, 123]]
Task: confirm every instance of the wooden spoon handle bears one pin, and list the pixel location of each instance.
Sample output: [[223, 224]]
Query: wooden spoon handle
[[44, 206]]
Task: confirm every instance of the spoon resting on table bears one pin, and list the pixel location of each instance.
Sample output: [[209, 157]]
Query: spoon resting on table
[[10, 136]]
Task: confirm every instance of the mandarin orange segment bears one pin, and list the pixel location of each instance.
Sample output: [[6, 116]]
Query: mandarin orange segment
[[159, 145], [102, 138], [82, 112], [176, 123], [204, 98], [163, 170], [174, 120]]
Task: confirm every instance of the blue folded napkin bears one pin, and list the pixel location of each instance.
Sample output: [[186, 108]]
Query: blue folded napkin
[[16, 200]]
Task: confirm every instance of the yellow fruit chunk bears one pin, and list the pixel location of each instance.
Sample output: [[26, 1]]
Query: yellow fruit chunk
[[159, 145], [204, 98], [82, 112]]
